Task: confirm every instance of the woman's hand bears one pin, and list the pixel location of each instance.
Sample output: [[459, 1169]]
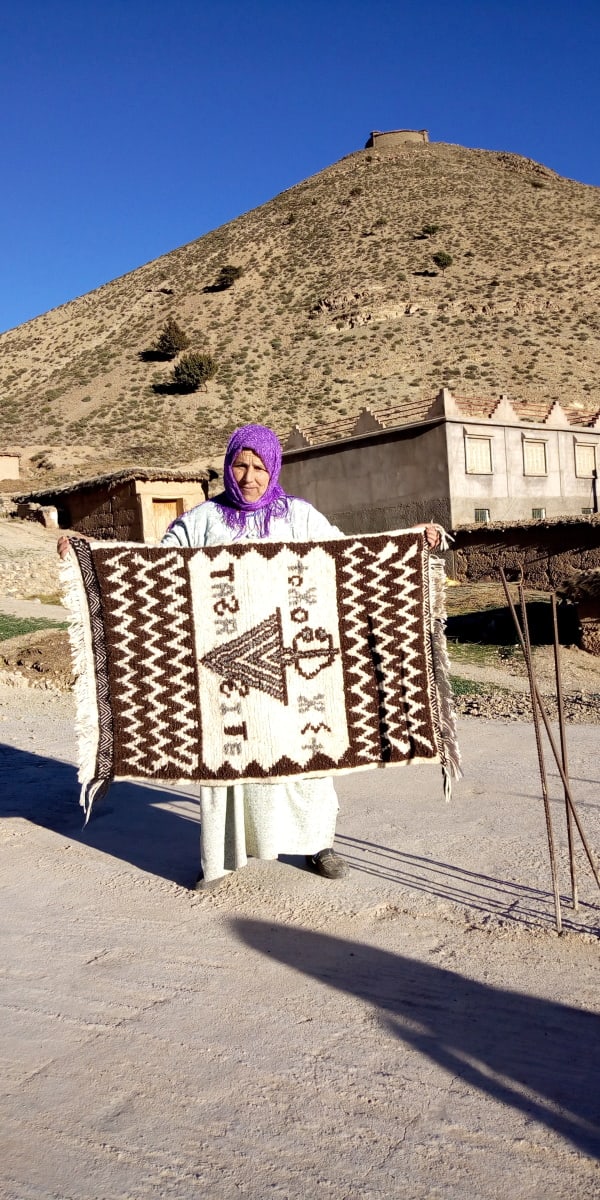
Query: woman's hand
[[63, 546], [432, 535]]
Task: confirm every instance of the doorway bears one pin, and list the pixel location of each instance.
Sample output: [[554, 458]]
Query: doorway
[[163, 512]]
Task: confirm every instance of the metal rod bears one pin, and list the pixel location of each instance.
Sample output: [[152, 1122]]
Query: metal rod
[[541, 763], [550, 735], [563, 750]]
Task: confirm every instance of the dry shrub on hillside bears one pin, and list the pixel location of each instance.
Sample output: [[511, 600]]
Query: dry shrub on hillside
[[193, 371]]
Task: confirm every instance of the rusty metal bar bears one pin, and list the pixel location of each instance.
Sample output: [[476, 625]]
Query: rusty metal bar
[[550, 736], [563, 750], [540, 753]]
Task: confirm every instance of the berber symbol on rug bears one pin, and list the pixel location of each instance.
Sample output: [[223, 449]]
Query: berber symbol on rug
[[258, 660]]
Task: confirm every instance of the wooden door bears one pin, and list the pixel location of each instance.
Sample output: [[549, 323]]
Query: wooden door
[[163, 512]]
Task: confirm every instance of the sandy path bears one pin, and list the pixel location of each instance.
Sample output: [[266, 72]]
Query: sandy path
[[32, 608], [415, 1031]]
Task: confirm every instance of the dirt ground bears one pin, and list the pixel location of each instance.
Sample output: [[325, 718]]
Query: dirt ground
[[40, 659], [415, 1031]]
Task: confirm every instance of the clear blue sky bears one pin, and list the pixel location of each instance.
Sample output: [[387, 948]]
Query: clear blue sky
[[130, 126]]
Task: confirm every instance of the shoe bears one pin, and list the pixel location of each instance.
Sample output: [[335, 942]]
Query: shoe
[[328, 864], [208, 885]]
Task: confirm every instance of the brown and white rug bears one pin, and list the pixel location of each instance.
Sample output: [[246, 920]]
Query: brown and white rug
[[260, 660]]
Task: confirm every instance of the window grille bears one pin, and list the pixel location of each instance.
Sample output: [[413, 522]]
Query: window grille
[[478, 455], [585, 460], [482, 516], [587, 512], [534, 457], [538, 514]]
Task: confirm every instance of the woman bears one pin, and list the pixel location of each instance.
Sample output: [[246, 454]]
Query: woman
[[289, 816]]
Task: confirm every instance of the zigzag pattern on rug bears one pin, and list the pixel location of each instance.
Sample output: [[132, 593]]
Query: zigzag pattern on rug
[[147, 613], [259, 660]]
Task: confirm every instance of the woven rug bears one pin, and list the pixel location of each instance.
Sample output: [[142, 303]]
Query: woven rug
[[258, 661]]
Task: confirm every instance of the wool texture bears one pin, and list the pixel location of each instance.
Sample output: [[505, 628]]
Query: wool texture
[[259, 661]]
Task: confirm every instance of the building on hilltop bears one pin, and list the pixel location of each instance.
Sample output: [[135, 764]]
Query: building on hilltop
[[396, 137], [9, 466], [134, 505], [454, 460]]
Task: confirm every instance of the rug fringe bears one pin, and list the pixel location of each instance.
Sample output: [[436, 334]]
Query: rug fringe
[[441, 664], [94, 790], [445, 537], [86, 718]]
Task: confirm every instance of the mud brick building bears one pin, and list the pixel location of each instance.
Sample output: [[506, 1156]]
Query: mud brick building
[[545, 551], [583, 589], [9, 466], [134, 505]]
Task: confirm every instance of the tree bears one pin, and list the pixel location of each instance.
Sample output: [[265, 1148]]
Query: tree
[[171, 340], [442, 259], [193, 371], [227, 276]]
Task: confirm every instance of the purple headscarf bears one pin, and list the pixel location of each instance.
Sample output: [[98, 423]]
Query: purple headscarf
[[274, 503]]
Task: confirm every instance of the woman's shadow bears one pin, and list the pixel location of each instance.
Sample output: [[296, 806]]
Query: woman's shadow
[[535, 1055], [153, 828]]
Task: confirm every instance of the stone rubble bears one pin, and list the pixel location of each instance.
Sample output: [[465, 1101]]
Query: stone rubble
[[581, 708]]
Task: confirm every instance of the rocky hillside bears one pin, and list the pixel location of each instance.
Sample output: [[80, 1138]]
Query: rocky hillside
[[340, 304]]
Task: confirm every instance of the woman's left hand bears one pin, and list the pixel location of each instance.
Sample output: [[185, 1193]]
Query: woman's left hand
[[432, 535]]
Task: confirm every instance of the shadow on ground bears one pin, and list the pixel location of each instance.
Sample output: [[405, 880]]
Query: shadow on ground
[[157, 830], [495, 625], [506, 899], [152, 828], [537, 1056]]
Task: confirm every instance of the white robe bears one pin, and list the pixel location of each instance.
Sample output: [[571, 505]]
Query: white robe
[[259, 819]]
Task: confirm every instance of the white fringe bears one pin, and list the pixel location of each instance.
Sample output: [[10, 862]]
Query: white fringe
[[90, 792], [445, 537], [86, 719], [441, 665]]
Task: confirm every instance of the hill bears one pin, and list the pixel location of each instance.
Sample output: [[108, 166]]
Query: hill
[[340, 305]]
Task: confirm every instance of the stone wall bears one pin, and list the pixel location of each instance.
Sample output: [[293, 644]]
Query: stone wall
[[589, 622], [396, 137], [104, 514], [545, 553], [387, 480], [46, 514]]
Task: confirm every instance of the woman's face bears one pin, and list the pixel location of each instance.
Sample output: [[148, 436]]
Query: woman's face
[[251, 475]]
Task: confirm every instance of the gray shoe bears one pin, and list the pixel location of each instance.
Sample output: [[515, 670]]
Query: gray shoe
[[328, 864], [208, 885]]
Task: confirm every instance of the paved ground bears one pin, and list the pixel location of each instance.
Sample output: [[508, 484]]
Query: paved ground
[[415, 1031], [32, 608]]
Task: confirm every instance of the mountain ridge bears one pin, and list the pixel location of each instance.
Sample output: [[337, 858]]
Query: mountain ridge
[[340, 306]]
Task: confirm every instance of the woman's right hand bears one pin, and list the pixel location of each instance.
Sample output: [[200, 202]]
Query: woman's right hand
[[63, 546]]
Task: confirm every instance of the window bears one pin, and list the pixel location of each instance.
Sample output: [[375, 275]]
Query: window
[[534, 457], [482, 516], [538, 514], [585, 460], [478, 455], [587, 512]]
